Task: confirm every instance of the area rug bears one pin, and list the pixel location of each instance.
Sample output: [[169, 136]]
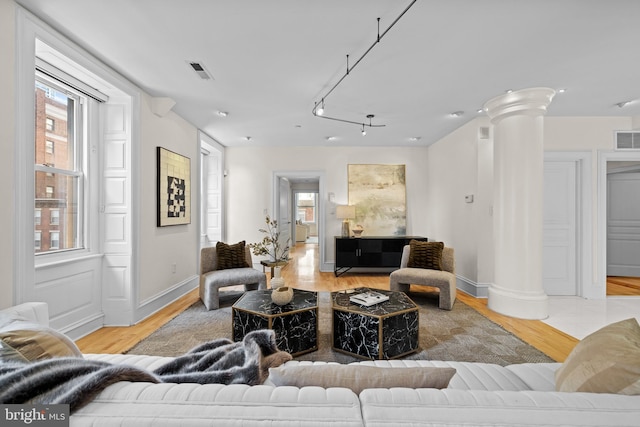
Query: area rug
[[461, 334]]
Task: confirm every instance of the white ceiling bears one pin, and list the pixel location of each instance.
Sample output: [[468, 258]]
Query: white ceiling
[[272, 60]]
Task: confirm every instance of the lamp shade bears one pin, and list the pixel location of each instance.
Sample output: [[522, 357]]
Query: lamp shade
[[345, 212]]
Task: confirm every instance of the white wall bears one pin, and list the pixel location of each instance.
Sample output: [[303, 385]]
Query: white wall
[[161, 247], [582, 133], [461, 165], [7, 152], [249, 184]]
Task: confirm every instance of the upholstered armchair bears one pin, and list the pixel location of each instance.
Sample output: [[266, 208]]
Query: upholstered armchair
[[213, 276], [444, 280]]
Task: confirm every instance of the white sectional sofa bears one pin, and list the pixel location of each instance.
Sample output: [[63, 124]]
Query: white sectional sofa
[[477, 395]]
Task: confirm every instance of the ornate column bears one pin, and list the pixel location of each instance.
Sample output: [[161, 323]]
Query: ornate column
[[517, 118]]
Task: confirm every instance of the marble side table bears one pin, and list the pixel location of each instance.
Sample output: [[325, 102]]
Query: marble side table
[[295, 323], [383, 331]]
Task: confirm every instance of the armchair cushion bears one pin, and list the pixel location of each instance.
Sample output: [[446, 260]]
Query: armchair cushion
[[425, 255], [231, 256]]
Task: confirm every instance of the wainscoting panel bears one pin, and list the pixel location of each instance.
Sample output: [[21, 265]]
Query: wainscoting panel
[[70, 289]]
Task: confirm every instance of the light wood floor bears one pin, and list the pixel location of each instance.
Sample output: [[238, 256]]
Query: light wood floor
[[623, 286], [303, 272]]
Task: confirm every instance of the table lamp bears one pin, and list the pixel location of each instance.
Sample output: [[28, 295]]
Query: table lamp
[[345, 213]]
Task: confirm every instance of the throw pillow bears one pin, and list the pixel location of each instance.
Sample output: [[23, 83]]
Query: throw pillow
[[360, 377], [39, 343], [8, 353], [33, 340], [607, 361], [231, 256], [425, 255]]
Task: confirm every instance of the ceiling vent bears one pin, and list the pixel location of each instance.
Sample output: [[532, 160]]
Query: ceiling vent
[[627, 140], [199, 69]]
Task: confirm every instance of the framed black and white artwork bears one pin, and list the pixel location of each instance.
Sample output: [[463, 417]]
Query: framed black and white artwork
[[174, 188]]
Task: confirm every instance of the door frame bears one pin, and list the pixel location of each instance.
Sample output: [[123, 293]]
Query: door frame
[[583, 160], [605, 156], [312, 174]]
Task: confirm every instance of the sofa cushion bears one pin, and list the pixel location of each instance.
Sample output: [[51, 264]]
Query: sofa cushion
[[425, 255], [150, 405], [447, 407], [34, 341], [606, 361], [360, 377], [231, 256]]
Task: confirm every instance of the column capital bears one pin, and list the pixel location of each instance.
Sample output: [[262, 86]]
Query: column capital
[[531, 102]]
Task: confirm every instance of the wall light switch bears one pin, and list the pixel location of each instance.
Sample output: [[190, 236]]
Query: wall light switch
[[468, 198]]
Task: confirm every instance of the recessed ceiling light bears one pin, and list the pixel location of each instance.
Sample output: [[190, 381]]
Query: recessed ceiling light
[[457, 113], [562, 90], [480, 110], [622, 104], [330, 138], [247, 138], [415, 138], [509, 90], [223, 113]]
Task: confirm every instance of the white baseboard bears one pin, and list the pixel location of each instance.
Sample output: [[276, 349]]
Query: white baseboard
[[478, 290], [158, 302], [84, 327]]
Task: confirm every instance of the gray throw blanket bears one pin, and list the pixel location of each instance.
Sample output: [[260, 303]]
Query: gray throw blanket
[[76, 381]]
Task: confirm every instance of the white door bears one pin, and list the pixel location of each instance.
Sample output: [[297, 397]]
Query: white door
[[559, 240], [623, 224], [284, 211]]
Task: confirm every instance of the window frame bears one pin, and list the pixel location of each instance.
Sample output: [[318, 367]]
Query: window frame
[[78, 140]]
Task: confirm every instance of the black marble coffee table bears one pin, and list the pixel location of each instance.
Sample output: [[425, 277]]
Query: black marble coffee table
[[295, 323], [383, 331]]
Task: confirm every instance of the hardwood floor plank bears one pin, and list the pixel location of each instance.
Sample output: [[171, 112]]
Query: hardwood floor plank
[[303, 272], [623, 285]]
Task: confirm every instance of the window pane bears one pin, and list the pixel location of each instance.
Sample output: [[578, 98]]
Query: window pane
[[54, 128], [57, 203], [57, 193]]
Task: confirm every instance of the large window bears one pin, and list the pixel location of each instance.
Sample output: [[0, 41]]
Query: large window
[[58, 172]]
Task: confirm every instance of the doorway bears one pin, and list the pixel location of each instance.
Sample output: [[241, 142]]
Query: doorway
[[617, 163], [623, 228], [304, 187], [306, 213]]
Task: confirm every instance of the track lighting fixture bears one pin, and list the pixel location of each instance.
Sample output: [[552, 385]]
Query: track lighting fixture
[[318, 107]]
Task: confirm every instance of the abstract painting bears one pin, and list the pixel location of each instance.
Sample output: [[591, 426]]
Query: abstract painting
[[379, 195], [174, 188]]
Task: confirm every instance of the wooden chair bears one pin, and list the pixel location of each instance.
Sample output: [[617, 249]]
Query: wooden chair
[[444, 280]]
